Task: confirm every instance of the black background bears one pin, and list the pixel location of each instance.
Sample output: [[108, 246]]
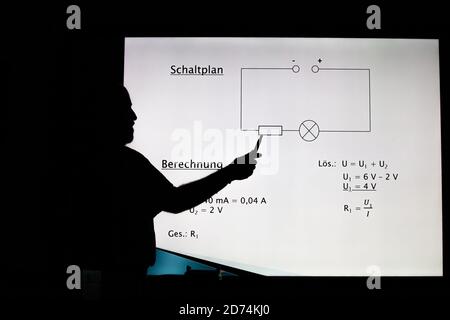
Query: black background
[[47, 70]]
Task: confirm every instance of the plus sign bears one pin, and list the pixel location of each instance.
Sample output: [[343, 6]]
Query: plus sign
[[320, 60], [373, 164]]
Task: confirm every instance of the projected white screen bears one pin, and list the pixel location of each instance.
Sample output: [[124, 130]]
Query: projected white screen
[[349, 182]]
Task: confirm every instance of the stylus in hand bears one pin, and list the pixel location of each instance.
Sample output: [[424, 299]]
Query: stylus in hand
[[244, 166]]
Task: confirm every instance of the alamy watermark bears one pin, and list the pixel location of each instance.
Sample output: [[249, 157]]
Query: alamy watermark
[[374, 279]]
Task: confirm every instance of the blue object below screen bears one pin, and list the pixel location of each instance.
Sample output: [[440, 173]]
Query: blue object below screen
[[172, 264]]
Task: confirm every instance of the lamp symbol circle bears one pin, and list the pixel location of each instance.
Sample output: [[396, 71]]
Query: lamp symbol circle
[[309, 130]]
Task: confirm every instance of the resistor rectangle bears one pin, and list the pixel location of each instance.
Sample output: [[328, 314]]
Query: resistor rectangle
[[270, 130]]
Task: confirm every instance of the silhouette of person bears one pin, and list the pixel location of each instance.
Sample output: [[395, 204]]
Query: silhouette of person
[[117, 192]]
